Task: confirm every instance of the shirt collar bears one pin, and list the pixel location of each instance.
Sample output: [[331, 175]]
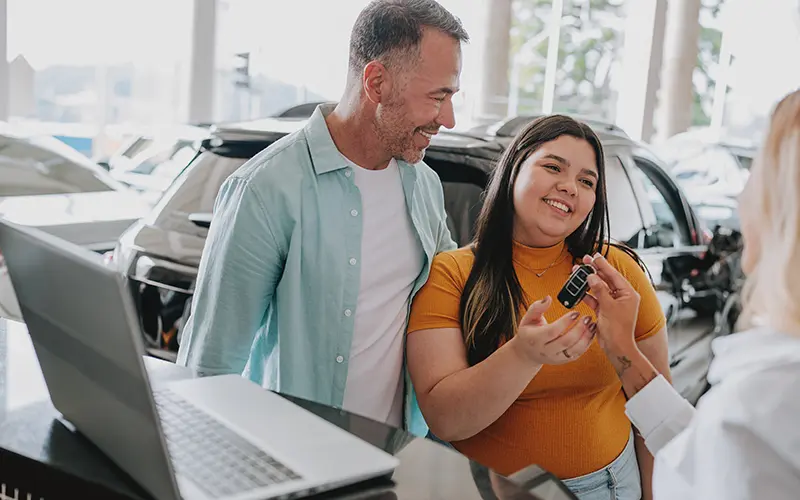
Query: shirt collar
[[752, 350], [325, 157]]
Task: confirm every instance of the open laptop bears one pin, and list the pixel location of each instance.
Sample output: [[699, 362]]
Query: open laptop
[[217, 437]]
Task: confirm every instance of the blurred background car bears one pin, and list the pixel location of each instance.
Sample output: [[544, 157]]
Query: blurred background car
[[47, 184], [712, 167], [708, 162], [149, 163]]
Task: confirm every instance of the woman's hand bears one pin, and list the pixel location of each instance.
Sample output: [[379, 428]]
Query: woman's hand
[[616, 304], [555, 343]]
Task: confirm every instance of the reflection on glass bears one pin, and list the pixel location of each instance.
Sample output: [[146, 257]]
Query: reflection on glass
[[532, 483]]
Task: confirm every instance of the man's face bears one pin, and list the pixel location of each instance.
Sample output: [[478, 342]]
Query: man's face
[[420, 101]]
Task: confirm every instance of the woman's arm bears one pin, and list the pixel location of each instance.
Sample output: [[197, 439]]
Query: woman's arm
[[458, 400], [654, 407]]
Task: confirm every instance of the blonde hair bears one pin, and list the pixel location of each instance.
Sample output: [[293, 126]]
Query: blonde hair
[[771, 293]]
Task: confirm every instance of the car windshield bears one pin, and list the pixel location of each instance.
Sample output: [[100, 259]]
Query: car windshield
[[136, 146], [45, 165], [150, 161]]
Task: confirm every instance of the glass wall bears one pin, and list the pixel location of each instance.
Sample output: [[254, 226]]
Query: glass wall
[[590, 41], [270, 58], [589, 56], [77, 67], [763, 39]]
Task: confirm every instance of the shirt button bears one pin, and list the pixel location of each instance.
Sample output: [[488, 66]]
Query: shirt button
[[353, 262], [348, 173], [354, 212], [348, 312], [340, 359]]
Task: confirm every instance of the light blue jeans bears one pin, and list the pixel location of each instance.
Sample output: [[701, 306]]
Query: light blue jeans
[[619, 480]]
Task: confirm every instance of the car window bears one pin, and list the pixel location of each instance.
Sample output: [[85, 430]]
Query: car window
[[43, 165], [745, 161], [172, 167], [661, 225], [625, 217], [194, 191], [137, 146], [462, 202], [162, 161]]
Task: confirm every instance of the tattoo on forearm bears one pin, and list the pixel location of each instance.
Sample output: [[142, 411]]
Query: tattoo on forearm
[[637, 380], [624, 364]]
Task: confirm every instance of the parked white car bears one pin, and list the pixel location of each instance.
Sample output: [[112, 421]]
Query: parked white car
[[707, 164], [46, 184], [151, 162]]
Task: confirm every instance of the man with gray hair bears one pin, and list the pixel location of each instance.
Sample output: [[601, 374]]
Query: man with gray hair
[[319, 243]]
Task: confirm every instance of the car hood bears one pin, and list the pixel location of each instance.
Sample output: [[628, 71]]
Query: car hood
[[89, 219], [171, 245]]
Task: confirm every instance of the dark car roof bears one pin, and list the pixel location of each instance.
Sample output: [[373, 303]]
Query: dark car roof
[[479, 146]]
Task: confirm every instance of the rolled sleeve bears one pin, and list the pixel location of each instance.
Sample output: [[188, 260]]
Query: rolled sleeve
[[238, 273], [659, 412]]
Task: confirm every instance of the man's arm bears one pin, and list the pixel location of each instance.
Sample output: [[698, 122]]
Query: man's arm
[[239, 270]]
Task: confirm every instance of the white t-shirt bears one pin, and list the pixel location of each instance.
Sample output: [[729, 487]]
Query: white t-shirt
[[391, 260]]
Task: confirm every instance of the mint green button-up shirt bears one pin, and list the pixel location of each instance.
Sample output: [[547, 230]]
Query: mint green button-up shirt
[[275, 298]]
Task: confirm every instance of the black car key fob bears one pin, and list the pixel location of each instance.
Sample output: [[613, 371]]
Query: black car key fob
[[576, 287]]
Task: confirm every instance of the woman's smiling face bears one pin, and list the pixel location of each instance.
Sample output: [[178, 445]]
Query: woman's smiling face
[[555, 191]]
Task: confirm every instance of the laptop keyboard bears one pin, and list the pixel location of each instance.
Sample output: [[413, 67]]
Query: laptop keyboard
[[211, 455]]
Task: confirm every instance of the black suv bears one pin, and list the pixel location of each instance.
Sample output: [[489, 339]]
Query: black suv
[[160, 254]]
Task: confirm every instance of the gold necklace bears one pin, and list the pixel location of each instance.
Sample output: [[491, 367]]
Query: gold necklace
[[539, 275]]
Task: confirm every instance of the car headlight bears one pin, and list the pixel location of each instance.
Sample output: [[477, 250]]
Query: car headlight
[[162, 273], [137, 265]]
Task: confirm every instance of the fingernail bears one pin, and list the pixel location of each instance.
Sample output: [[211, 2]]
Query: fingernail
[[574, 315], [586, 320], [593, 328]]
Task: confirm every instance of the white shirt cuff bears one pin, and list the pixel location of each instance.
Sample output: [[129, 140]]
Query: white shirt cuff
[[659, 412]]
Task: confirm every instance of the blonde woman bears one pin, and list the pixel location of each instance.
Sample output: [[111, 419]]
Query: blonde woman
[[743, 440]]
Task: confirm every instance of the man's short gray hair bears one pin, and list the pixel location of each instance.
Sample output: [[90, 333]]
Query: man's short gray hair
[[386, 29]]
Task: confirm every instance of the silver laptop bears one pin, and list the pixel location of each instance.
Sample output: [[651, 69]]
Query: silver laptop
[[220, 437]]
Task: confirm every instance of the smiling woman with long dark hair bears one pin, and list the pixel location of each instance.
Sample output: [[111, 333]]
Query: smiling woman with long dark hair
[[502, 371]]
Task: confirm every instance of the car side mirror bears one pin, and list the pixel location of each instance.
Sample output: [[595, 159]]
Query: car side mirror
[[201, 219], [725, 240]]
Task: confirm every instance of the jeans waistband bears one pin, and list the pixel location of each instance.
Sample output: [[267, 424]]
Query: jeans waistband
[[616, 465]]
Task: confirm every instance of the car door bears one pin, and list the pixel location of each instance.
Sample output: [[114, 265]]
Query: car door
[[669, 237], [668, 225]]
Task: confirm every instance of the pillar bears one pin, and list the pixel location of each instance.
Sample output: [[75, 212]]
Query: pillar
[[641, 66], [201, 70], [680, 59], [493, 101], [5, 89]]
